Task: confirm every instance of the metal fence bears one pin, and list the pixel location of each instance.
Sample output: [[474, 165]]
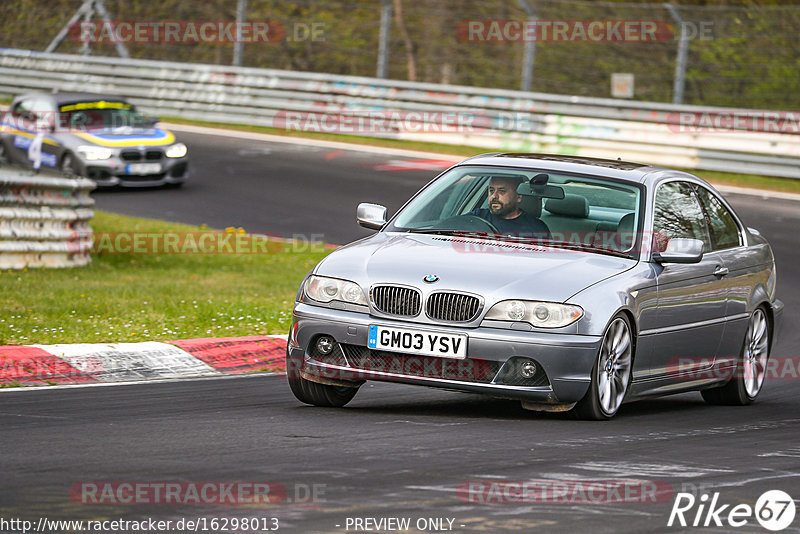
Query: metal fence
[[727, 55], [44, 219], [692, 137]]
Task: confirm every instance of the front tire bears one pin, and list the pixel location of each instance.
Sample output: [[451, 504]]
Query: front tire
[[611, 373], [748, 377], [314, 393], [317, 394], [68, 164]]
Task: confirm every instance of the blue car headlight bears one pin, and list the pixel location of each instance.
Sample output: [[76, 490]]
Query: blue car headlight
[[94, 153], [178, 150], [538, 314]]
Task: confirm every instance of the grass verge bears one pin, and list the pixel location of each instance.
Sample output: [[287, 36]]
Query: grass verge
[[144, 297], [789, 185]]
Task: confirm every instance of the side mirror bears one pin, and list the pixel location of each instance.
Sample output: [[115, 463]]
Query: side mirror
[[372, 216], [681, 251]]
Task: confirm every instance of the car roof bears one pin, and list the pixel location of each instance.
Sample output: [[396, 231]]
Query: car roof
[[612, 168], [72, 97]]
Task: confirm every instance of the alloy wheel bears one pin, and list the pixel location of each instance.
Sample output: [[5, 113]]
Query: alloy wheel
[[614, 366], [756, 352]]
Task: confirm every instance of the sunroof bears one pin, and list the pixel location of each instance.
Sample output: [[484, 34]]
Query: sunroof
[[598, 162]]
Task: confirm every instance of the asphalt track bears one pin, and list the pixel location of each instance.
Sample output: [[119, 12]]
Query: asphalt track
[[273, 187], [395, 451]]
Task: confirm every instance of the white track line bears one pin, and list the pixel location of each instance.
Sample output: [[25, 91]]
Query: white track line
[[57, 387], [338, 145]]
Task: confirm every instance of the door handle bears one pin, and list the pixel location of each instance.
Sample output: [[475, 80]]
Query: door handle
[[721, 271]]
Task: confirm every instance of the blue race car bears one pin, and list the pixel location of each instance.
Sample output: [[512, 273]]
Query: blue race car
[[97, 136]]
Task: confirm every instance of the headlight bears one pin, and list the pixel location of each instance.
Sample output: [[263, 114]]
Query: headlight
[[178, 150], [539, 314], [93, 153], [324, 289]]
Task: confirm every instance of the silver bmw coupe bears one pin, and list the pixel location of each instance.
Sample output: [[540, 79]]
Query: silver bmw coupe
[[568, 283]]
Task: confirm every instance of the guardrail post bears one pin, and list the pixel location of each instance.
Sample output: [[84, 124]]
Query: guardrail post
[[683, 52], [383, 38], [238, 46], [530, 48]]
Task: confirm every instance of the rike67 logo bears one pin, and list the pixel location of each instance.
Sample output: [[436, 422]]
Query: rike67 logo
[[774, 510]]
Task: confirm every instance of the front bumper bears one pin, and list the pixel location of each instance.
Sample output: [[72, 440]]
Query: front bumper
[[564, 361], [113, 172]]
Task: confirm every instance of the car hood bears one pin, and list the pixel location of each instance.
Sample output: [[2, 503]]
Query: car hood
[[122, 137], [494, 269]]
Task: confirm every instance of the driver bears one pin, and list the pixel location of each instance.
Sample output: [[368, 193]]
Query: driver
[[504, 212]]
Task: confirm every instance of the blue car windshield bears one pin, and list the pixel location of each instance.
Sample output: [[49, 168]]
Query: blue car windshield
[[534, 205], [93, 116]]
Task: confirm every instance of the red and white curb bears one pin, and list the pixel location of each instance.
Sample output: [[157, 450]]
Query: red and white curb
[[83, 363]]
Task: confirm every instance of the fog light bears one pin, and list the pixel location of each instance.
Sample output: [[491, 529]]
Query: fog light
[[325, 345], [528, 369]]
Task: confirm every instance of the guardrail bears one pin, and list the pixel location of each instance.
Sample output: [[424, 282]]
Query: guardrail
[[739, 141], [44, 219]]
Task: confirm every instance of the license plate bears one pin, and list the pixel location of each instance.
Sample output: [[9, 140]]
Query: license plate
[[422, 342], [143, 168]]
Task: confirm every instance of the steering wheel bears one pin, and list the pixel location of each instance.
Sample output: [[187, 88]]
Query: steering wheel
[[467, 223]]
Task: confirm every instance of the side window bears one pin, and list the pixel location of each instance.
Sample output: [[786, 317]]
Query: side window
[[722, 226], [44, 113], [40, 104], [678, 215], [35, 114], [22, 106]]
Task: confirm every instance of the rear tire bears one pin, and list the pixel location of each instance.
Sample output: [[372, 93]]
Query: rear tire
[[611, 373], [3, 156], [748, 377]]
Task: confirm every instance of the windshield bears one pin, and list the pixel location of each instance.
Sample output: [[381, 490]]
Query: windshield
[[102, 116], [588, 212]]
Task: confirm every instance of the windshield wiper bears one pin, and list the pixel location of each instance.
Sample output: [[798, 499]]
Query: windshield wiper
[[430, 231], [439, 231], [570, 245]]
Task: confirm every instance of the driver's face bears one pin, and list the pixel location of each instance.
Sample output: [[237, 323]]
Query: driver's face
[[503, 198]]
